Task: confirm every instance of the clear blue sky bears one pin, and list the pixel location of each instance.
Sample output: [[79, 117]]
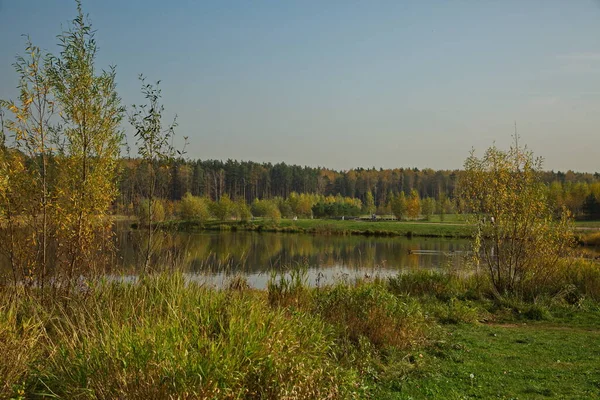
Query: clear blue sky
[[344, 84]]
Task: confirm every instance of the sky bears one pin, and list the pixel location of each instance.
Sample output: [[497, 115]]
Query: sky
[[345, 84]]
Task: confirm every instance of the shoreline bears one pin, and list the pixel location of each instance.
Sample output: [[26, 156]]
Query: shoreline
[[328, 227]]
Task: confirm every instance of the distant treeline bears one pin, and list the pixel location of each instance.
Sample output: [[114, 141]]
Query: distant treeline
[[247, 180]]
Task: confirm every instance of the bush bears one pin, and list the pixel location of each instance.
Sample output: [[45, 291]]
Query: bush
[[194, 208], [518, 237], [425, 283], [243, 211], [585, 276], [369, 310], [222, 209], [157, 214]]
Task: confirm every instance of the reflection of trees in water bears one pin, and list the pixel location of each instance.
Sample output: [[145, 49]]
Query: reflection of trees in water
[[254, 252]]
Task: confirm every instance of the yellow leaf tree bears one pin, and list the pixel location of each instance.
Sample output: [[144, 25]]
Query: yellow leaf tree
[[25, 194], [518, 238], [91, 113]]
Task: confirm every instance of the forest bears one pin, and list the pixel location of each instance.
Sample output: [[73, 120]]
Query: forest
[[247, 180]]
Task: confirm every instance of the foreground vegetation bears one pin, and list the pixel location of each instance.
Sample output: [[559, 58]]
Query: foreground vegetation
[[413, 336]]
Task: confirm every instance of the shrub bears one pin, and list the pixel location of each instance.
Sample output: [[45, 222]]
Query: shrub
[[157, 212], [194, 208], [369, 310], [585, 276], [518, 237], [223, 209], [420, 283], [242, 210]]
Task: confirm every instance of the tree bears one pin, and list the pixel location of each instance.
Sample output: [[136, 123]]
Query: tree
[[399, 206], [156, 214], [272, 212], [518, 238], [154, 147], [29, 193], [441, 206], [242, 210], [369, 203], [427, 207], [194, 208], [223, 208], [91, 114], [413, 205]]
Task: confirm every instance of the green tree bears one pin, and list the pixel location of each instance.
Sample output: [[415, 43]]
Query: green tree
[[91, 114], [440, 206], [223, 208], [242, 210], [369, 203], [194, 208], [29, 192], [427, 207], [272, 212], [154, 215], [518, 237], [399, 206], [153, 141]]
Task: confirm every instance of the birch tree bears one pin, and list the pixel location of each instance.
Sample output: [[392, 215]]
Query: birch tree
[[25, 198], [90, 112], [518, 238], [154, 143]]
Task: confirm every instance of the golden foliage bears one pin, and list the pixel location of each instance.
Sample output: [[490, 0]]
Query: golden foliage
[[518, 239]]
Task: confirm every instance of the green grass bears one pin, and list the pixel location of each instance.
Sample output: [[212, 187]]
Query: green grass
[[587, 224], [508, 361], [163, 338], [335, 227], [418, 335]]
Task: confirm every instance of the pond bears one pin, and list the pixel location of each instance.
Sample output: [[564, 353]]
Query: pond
[[214, 257]]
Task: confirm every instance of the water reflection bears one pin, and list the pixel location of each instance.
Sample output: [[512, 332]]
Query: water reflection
[[215, 256]]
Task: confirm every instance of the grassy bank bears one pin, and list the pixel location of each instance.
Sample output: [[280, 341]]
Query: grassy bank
[[453, 226], [334, 227], [527, 359], [412, 336]]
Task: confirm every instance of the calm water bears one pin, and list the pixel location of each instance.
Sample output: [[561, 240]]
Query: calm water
[[214, 257]]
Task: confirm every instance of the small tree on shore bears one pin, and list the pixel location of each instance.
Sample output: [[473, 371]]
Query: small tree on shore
[[517, 238], [413, 205], [399, 206], [194, 208], [87, 160], [154, 143], [369, 206], [428, 207], [28, 200]]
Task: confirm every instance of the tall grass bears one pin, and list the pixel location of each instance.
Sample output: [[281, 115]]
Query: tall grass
[[590, 239], [165, 337], [162, 338], [370, 311]]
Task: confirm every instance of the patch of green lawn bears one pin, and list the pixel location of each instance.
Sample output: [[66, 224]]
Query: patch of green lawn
[[511, 361], [336, 227], [587, 224]]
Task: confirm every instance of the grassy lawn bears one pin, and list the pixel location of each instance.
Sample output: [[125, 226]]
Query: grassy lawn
[[522, 360], [587, 224], [434, 228], [404, 228]]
